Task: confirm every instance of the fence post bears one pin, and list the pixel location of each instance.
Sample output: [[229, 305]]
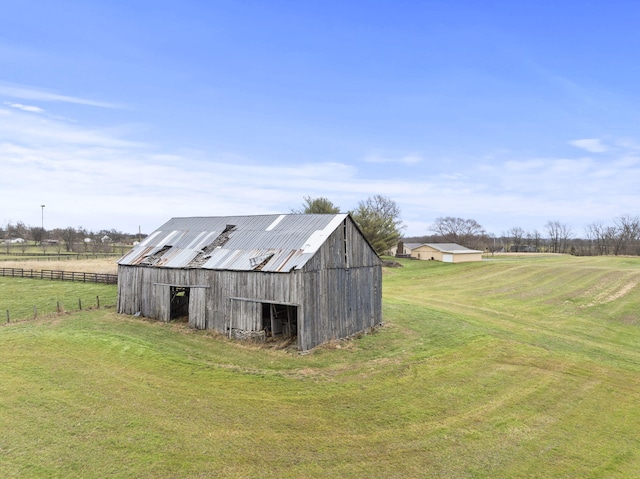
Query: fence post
[[58, 307], [98, 301], [8, 317], [80, 304], [35, 312]]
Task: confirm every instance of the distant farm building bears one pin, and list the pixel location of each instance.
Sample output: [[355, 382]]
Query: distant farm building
[[309, 277], [403, 250], [445, 252]]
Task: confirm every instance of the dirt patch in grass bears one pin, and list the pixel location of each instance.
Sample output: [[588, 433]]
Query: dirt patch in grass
[[606, 292], [621, 292]]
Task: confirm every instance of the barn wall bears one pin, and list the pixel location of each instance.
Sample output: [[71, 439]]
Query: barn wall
[[339, 303], [338, 300], [139, 289], [197, 308], [255, 286]]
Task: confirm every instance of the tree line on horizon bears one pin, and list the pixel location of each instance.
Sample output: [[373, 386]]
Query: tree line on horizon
[[379, 219], [622, 237], [70, 239]]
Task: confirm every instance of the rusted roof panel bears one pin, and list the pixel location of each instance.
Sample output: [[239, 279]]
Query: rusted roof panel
[[275, 243]]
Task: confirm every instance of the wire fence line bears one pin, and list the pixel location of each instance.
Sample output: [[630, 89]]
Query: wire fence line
[[104, 278], [58, 309]]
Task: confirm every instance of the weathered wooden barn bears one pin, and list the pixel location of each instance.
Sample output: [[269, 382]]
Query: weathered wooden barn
[[313, 277]]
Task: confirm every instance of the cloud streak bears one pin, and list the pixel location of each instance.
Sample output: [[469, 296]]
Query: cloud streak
[[20, 106], [592, 145], [409, 159], [31, 93]]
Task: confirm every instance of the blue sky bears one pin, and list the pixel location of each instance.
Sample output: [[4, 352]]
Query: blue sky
[[123, 114]]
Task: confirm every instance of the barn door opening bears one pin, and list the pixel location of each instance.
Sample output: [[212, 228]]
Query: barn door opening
[[179, 303], [280, 320]]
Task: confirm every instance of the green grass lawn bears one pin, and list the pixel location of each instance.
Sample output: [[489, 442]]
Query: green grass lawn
[[25, 297], [502, 369]]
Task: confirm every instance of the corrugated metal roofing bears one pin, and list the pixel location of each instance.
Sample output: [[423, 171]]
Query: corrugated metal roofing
[[277, 243]]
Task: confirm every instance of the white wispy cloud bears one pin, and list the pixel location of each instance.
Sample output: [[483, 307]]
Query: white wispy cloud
[[38, 94], [31, 129], [524, 165], [409, 159], [592, 145], [20, 106]]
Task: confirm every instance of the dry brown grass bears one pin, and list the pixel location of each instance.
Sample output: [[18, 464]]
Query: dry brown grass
[[100, 265]]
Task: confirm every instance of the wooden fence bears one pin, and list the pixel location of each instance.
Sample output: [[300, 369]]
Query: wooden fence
[[104, 278]]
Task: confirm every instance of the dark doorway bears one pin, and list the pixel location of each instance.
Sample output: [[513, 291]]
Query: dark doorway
[[280, 320], [179, 303]]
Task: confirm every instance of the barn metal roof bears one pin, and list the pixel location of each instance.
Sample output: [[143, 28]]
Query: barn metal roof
[[276, 243]]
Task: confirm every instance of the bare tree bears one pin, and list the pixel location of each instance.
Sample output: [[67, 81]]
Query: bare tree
[[58, 245], [553, 231], [37, 234], [69, 236], [516, 235], [533, 240], [19, 230], [620, 238], [627, 232], [24, 245], [457, 230], [601, 237], [559, 235], [537, 239], [566, 233]]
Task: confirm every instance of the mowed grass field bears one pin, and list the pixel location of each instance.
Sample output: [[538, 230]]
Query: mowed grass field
[[513, 367]]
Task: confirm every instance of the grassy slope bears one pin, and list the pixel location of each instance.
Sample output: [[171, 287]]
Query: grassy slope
[[506, 368]]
